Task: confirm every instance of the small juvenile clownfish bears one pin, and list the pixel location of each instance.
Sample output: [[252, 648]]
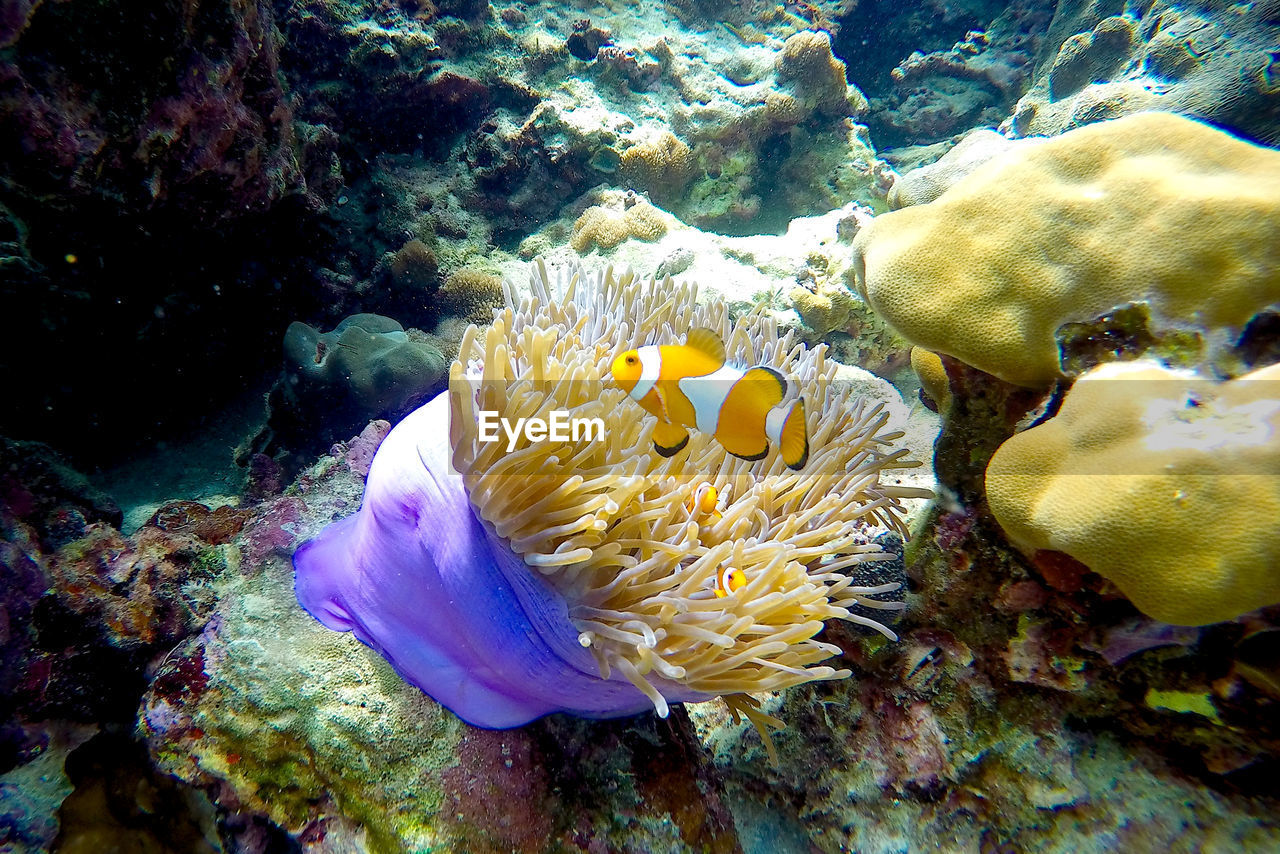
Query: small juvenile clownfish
[[728, 580], [689, 385], [704, 504]]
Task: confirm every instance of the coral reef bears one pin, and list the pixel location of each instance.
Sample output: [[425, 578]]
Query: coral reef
[[603, 228], [1210, 61], [1137, 467], [121, 127], [549, 599], [928, 182], [933, 95], [278, 717], [730, 112], [86, 611], [155, 130], [179, 181], [1086, 225]]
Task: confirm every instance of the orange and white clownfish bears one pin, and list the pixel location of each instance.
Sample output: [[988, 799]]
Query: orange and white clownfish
[[728, 580], [705, 504], [689, 385]]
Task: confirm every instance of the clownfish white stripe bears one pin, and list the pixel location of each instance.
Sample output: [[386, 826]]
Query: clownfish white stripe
[[775, 421], [650, 369], [707, 395]]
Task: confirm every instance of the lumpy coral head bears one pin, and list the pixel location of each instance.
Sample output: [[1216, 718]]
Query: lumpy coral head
[[512, 578], [1165, 483], [1152, 209], [415, 576]]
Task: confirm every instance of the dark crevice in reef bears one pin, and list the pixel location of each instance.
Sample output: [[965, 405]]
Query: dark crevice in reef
[[160, 218], [145, 323], [877, 35], [121, 803]]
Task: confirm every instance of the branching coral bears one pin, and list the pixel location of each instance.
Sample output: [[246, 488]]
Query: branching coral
[[608, 527]]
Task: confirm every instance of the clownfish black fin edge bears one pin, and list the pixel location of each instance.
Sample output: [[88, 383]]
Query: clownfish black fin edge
[[753, 457], [671, 451], [775, 374]]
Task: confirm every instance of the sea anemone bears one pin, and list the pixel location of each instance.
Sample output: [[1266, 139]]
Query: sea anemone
[[590, 585]]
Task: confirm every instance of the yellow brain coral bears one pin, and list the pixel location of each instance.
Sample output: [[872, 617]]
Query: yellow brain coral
[[470, 294], [1166, 484], [662, 166], [1152, 208], [817, 76], [608, 524], [828, 306], [606, 227]]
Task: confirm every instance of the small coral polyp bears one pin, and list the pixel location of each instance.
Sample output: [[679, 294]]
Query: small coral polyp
[[572, 577]]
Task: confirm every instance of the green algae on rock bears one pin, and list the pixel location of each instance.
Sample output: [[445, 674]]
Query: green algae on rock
[[316, 732]]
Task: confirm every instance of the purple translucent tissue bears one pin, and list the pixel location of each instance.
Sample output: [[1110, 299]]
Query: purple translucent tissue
[[419, 578]]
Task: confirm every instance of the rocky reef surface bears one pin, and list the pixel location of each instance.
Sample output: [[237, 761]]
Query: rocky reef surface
[[194, 194]]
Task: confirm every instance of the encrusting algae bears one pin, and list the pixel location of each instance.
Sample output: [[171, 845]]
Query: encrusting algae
[[608, 525]]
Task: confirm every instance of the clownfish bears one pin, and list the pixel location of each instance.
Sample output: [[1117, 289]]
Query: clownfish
[[689, 385], [728, 580], [704, 504]]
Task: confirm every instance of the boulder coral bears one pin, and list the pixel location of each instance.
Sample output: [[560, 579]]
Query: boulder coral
[[606, 227], [1164, 483], [1093, 56], [816, 77], [662, 165], [367, 361], [1207, 60], [367, 367], [1152, 209], [928, 182]]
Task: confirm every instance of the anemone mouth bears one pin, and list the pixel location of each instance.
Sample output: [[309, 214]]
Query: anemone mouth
[[605, 523]]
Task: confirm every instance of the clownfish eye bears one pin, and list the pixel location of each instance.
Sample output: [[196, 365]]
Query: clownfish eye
[[631, 360]]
